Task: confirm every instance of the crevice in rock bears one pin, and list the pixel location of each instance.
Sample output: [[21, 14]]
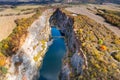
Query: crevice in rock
[[74, 56]]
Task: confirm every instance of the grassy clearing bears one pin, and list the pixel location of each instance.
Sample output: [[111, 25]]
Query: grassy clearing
[[8, 15], [17, 10], [7, 24]]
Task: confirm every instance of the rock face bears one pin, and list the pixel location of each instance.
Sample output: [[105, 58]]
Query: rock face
[[65, 24], [25, 64]]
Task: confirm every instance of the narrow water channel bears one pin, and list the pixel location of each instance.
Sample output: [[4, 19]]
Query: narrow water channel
[[52, 61]]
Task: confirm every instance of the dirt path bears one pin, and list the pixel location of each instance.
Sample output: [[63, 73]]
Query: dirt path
[[84, 11]]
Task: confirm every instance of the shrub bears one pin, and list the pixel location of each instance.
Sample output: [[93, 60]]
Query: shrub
[[100, 41], [103, 48], [3, 69], [116, 55], [2, 59]]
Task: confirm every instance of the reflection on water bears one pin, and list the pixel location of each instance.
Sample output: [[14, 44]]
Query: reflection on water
[[53, 59]]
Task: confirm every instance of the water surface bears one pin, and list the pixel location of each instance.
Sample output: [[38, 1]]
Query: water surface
[[52, 61]]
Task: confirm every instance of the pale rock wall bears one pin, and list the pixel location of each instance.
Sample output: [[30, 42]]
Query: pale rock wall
[[25, 64]]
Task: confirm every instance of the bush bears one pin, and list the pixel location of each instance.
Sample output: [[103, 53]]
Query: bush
[[116, 55], [3, 70], [100, 41], [103, 48]]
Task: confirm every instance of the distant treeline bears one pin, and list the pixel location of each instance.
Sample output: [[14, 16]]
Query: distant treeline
[[60, 1], [20, 3]]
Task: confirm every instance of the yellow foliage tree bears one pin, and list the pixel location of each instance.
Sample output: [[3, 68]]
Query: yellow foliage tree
[[6, 46], [2, 59]]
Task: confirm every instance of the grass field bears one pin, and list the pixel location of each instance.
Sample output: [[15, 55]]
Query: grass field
[[9, 15]]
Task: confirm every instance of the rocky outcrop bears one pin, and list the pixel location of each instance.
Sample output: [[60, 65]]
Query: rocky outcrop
[[65, 24], [25, 64]]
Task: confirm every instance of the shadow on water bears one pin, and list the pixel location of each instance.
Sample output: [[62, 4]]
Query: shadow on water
[[52, 61]]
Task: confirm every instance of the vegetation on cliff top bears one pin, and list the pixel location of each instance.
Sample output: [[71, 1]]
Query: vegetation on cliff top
[[14, 41], [17, 37], [97, 42], [101, 64]]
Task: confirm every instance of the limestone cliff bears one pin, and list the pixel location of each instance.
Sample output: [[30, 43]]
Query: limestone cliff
[[24, 65]]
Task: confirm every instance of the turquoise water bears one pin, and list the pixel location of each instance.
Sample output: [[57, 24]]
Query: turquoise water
[[52, 61]]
